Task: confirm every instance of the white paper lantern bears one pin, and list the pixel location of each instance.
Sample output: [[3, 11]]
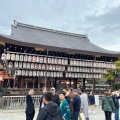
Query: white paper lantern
[[3, 57], [51, 74], [34, 59], [49, 60], [26, 73], [12, 56], [41, 60], [29, 58], [10, 65], [56, 61], [21, 57], [52, 61], [28, 66], [32, 66], [24, 65], [43, 66], [30, 73], [36, 66], [59, 61], [37, 59], [38, 73], [23, 72], [53, 67], [58, 75], [16, 65], [34, 73], [20, 65], [25, 58], [19, 72], [8, 56], [45, 59]]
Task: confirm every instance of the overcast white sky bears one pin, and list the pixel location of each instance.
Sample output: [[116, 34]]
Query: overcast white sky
[[100, 19]]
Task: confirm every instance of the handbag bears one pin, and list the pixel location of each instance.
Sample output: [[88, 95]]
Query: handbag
[[81, 116]]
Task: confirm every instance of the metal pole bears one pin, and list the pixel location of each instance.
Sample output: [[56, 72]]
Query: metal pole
[[45, 84]]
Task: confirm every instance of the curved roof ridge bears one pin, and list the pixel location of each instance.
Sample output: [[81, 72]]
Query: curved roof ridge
[[49, 30]]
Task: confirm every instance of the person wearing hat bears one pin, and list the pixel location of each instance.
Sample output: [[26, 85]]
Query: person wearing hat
[[76, 104], [56, 98]]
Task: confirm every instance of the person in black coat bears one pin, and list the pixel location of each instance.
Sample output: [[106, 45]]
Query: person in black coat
[[91, 98], [76, 104], [51, 110], [56, 98], [42, 104], [30, 110]]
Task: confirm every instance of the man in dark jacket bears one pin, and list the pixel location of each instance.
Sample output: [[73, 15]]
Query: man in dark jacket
[[76, 104], [42, 104], [30, 110], [56, 98], [51, 110], [116, 98]]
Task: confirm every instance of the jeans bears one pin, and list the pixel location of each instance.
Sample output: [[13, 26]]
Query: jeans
[[108, 115], [75, 115], [116, 113], [87, 118]]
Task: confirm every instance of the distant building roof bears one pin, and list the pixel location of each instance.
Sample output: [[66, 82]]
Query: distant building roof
[[24, 34]]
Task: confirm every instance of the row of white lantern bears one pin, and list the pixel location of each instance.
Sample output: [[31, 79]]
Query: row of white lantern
[[25, 65], [104, 65], [79, 75], [92, 64], [37, 73], [80, 69], [33, 58], [80, 63]]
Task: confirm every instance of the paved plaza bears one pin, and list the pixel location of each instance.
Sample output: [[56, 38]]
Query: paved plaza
[[20, 115]]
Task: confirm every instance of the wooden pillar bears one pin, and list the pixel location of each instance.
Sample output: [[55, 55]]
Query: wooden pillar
[[48, 83], [75, 83], [70, 83], [94, 85], [46, 69], [84, 83]]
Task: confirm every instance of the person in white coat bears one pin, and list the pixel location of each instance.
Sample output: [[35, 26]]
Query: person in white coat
[[84, 103]]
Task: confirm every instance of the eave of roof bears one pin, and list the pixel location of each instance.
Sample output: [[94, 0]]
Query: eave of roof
[[32, 36]]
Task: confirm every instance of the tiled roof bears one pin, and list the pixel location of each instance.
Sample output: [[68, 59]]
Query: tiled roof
[[47, 37]]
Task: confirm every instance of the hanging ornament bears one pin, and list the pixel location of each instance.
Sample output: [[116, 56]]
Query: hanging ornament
[[32, 66], [20, 65], [25, 58], [21, 57], [29, 58], [34, 59], [8, 56], [24, 65], [28, 66], [41, 60], [12, 56], [15, 64], [3, 57]]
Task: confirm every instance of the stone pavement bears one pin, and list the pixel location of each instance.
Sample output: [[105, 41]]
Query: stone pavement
[[20, 115]]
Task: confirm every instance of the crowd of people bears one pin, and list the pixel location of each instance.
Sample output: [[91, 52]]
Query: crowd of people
[[68, 104]]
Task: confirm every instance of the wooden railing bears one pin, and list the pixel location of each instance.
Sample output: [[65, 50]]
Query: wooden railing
[[19, 91], [19, 102], [16, 102]]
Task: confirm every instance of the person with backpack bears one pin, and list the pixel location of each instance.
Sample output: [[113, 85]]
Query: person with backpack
[[51, 110], [108, 106], [116, 98]]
